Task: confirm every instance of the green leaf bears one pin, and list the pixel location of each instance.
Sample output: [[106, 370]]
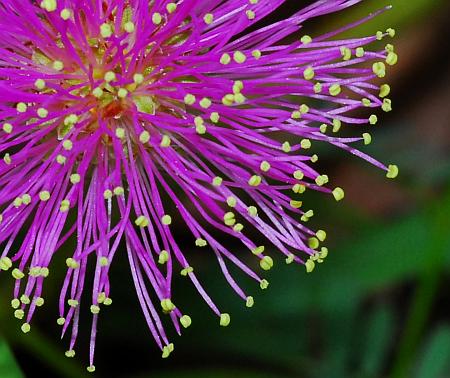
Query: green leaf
[[8, 365], [435, 360]]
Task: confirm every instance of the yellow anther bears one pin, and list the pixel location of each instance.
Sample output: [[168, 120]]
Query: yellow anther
[[239, 57], [118, 191], [185, 321], [225, 59], [238, 227], [25, 327], [264, 166], [304, 108], [250, 14], [95, 309], [367, 138], [189, 99], [97, 92], [35, 271], [67, 145], [142, 221], [373, 119], [39, 84], [171, 7], [185, 271], [249, 302], [17, 202], [166, 220], [334, 89], [264, 284], [238, 86], [65, 205], [15, 303], [290, 258], [286, 147], [231, 201], [379, 35], [26, 199], [313, 243], [61, 321], [323, 252], [199, 242], [346, 53], [296, 114], [366, 102], [256, 54], [120, 132], [205, 103], [163, 257], [129, 27], [90, 368], [337, 124], [305, 144], [224, 319], [19, 314], [72, 263], [385, 89], [338, 193], [255, 180], [309, 265], [392, 58], [21, 107], [391, 32], [228, 99], [266, 263], [144, 137], [107, 194], [379, 69], [39, 301], [58, 65], [109, 76], [298, 175], [65, 14], [7, 159], [72, 303], [252, 211], [208, 18], [106, 30], [392, 171], [138, 78], [107, 301], [44, 272], [156, 18], [387, 105], [104, 261], [295, 204], [122, 93], [49, 5], [167, 305], [165, 141], [321, 180], [359, 52], [309, 73], [317, 88], [42, 112], [70, 120], [217, 181], [229, 219], [214, 117], [70, 353], [258, 250], [17, 274], [5, 263], [298, 188], [306, 39]]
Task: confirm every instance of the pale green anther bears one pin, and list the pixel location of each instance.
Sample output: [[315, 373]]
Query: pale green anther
[[7, 159], [321, 235], [109, 76], [26, 199], [189, 99], [224, 319], [231, 201], [58, 65], [387, 105], [90, 368], [72, 302], [70, 353], [239, 98], [286, 147], [208, 18], [366, 102], [290, 258], [253, 1], [225, 59], [385, 89], [104, 261], [214, 117], [35, 271], [97, 92], [359, 52], [238, 86], [61, 321], [391, 58], [250, 14], [373, 119], [389, 48], [264, 284], [67, 145], [337, 124], [118, 191], [129, 27], [239, 57], [391, 32], [39, 84], [5, 263], [298, 174], [65, 205], [295, 204], [107, 194], [313, 243], [323, 128], [305, 144], [61, 159], [120, 132], [296, 114], [171, 7], [228, 99], [379, 69], [144, 104], [321, 180], [309, 265], [184, 272], [255, 180], [309, 73], [25, 327], [95, 309], [101, 297], [72, 263], [167, 305], [141, 221], [252, 211], [323, 252], [304, 108], [238, 227], [39, 301], [338, 193], [15, 303], [198, 121], [25, 299], [186, 321], [200, 129], [334, 89], [17, 274], [306, 39], [122, 93], [256, 54], [199, 242], [166, 220], [163, 257], [229, 219], [107, 301], [217, 181], [19, 314], [306, 216], [165, 141], [144, 137], [205, 103], [42, 112], [367, 138], [249, 302], [298, 188], [317, 88], [266, 263], [44, 272], [70, 120], [21, 107], [156, 18], [264, 166], [165, 352], [49, 5], [379, 35], [65, 14], [392, 171], [17, 202], [346, 53], [258, 250], [106, 30]]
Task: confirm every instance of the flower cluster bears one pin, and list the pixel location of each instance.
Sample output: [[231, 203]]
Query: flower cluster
[[119, 118]]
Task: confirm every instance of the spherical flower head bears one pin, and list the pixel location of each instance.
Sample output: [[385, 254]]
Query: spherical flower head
[[121, 119]]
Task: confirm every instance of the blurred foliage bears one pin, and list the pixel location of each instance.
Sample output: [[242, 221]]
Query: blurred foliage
[[377, 308]]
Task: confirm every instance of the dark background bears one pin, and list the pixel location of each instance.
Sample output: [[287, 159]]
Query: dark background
[[378, 307]]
